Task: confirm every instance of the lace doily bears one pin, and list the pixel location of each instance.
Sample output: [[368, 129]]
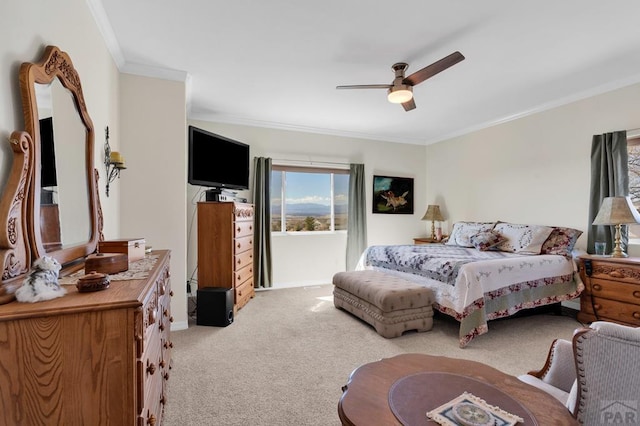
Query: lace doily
[[137, 270]]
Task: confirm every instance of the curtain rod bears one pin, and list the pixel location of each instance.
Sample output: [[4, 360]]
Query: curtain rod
[[633, 133], [311, 162]]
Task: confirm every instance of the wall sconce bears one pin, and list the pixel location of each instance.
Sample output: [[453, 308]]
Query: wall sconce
[[113, 161]]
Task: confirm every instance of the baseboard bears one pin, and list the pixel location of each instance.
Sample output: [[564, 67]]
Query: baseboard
[[277, 286], [180, 325]]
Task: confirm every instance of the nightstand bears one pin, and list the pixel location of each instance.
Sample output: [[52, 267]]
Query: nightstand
[[426, 241], [612, 289]]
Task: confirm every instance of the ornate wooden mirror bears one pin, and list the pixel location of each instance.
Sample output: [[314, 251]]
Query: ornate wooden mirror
[[50, 203]]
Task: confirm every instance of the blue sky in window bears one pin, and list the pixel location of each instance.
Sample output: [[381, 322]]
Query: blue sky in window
[[311, 188]]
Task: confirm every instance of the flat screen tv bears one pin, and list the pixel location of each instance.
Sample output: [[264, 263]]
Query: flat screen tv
[[48, 174], [216, 161]]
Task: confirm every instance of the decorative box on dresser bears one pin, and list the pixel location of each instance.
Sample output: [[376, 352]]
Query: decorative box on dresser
[[225, 248], [612, 289], [91, 358]]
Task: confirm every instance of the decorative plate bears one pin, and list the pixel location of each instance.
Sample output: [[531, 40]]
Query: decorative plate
[[469, 410], [468, 414]]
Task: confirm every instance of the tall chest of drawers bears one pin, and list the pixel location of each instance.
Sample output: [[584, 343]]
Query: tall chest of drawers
[[612, 289], [225, 248], [93, 358]]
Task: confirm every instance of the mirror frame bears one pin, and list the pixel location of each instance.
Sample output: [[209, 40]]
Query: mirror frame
[[56, 64], [20, 205]]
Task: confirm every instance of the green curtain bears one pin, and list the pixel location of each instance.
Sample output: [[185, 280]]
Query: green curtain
[[262, 222], [357, 216], [609, 178]]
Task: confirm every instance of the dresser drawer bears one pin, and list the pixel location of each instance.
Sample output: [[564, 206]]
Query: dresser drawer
[[243, 244], [243, 275], [606, 309], [243, 259], [244, 292], [622, 292], [243, 229], [615, 271]]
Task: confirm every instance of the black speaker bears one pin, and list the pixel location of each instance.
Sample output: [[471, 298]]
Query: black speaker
[[214, 306]]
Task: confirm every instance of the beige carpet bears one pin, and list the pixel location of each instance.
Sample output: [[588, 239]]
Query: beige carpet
[[288, 353]]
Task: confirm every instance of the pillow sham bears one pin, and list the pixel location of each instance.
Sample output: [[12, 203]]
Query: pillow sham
[[561, 241], [462, 232], [526, 239], [485, 240]]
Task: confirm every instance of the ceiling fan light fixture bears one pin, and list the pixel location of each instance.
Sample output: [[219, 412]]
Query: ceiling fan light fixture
[[400, 94]]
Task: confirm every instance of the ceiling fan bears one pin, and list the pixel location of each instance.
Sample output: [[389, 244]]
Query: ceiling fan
[[401, 90]]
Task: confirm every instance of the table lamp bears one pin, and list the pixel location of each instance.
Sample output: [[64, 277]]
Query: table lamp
[[433, 214], [617, 211]]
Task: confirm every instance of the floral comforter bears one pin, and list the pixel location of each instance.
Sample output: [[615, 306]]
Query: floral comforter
[[477, 286]]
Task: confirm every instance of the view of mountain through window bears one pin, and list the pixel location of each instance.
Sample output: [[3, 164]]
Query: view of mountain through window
[[313, 201]]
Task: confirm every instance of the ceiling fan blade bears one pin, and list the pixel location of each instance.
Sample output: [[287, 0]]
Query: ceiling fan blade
[[365, 86], [409, 105], [433, 69]]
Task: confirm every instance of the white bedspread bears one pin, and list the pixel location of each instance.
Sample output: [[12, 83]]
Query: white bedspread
[[493, 285]]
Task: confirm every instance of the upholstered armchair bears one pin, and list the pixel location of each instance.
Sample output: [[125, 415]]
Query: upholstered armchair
[[596, 375]]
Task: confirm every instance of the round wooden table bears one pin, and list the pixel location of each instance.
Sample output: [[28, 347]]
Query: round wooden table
[[366, 398]]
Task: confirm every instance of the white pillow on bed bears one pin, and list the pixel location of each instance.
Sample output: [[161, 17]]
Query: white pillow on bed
[[526, 239], [463, 231]]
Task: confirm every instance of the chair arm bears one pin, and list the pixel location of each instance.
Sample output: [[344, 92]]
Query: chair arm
[[559, 369]]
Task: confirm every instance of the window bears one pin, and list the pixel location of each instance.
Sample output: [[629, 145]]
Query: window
[[315, 199], [633, 148]]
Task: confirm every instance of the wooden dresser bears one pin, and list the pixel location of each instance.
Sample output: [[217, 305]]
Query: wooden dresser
[[225, 248], [612, 290], [89, 358]]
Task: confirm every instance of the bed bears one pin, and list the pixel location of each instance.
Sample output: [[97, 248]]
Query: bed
[[487, 270]]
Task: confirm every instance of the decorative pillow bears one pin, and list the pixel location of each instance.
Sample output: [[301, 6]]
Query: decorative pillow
[[561, 241], [462, 232], [527, 239], [486, 239]]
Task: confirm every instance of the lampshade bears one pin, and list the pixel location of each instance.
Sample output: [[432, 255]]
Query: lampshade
[[616, 211], [433, 213], [400, 94]]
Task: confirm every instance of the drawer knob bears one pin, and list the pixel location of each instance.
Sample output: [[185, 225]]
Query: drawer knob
[[636, 315], [153, 316], [166, 376], [168, 345], [162, 363], [239, 245], [171, 293], [163, 400], [151, 368], [615, 274], [161, 327], [239, 261], [171, 318], [239, 229], [597, 287], [151, 421], [636, 293], [597, 306]]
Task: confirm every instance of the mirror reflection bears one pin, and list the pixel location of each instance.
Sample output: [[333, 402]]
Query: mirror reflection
[[65, 217]]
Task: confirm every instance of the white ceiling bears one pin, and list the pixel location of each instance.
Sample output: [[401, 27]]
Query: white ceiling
[[276, 63]]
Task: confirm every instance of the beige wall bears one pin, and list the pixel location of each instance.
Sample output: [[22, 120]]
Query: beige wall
[[532, 170], [152, 188], [312, 259]]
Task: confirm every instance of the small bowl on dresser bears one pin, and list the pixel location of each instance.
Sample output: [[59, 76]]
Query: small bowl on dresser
[[93, 281]]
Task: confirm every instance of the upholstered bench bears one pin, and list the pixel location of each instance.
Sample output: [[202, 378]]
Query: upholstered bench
[[389, 303]]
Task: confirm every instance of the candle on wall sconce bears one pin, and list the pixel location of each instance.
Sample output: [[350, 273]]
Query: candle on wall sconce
[[113, 161]]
